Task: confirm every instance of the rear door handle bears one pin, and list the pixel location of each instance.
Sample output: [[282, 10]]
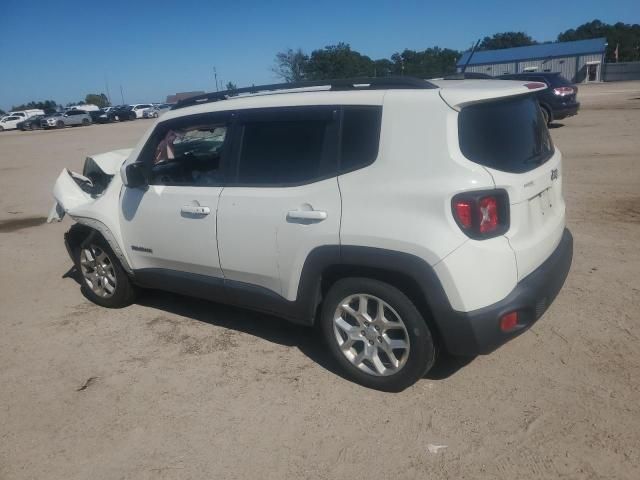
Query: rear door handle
[[195, 210], [311, 215]]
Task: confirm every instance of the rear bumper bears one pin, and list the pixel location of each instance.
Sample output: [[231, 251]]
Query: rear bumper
[[478, 332], [566, 111]]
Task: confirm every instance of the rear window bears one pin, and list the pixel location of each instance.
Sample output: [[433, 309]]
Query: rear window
[[360, 136], [507, 135]]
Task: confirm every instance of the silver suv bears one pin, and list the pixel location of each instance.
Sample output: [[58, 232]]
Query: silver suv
[[71, 118]]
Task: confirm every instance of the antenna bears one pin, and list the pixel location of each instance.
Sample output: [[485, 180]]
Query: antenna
[[473, 50]]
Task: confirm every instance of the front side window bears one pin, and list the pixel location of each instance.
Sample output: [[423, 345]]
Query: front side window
[[282, 151], [189, 156]]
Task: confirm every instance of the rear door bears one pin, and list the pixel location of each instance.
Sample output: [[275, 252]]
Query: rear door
[[510, 139], [284, 201]]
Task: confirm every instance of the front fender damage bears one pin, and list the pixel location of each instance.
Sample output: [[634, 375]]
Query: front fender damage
[[91, 198]]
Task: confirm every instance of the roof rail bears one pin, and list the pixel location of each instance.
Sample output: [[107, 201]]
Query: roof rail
[[360, 83]]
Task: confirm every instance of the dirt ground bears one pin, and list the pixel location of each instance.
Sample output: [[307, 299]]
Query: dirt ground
[[176, 388]]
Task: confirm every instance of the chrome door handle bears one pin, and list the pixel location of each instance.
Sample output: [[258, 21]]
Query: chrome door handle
[[312, 215], [195, 210]]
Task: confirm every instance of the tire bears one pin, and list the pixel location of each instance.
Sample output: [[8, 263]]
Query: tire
[[370, 336], [1, 129], [85, 122], [103, 279], [60, 124], [546, 115]]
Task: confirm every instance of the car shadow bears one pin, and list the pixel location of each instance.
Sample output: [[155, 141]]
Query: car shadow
[[268, 327], [555, 125]]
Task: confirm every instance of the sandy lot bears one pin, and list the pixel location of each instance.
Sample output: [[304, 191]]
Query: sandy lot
[[179, 388]]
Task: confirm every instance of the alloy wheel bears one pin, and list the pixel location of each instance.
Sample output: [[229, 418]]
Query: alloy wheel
[[98, 271], [371, 335]]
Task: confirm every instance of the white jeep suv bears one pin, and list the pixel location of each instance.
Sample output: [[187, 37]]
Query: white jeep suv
[[401, 216]]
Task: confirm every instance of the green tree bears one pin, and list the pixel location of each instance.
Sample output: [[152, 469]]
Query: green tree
[[506, 40], [622, 35], [231, 87], [2, 112], [338, 61], [49, 106], [290, 65], [427, 63], [99, 99]]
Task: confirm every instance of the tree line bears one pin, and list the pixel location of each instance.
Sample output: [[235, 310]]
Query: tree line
[[341, 61]]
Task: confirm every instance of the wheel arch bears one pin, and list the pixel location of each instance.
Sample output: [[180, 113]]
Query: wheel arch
[[402, 281], [410, 274], [84, 229]]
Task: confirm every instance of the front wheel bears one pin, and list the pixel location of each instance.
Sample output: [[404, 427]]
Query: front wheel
[[104, 281], [60, 124], [376, 334], [85, 122]]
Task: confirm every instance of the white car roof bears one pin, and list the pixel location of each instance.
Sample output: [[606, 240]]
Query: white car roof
[[456, 93]]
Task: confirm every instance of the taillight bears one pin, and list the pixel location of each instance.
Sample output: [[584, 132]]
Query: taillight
[[563, 91], [483, 214], [463, 213]]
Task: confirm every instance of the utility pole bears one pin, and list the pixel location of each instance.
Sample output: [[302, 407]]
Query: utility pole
[[122, 94], [215, 75], [106, 84]]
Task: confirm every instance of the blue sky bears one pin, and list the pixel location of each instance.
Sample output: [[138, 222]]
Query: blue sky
[[64, 49]]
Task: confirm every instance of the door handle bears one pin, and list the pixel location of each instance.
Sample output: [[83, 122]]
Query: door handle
[[195, 210], [309, 215]]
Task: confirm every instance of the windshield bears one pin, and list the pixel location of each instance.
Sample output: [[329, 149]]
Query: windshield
[[508, 135]]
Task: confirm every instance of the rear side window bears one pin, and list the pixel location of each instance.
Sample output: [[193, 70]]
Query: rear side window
[[282, 152], [507, 135], [360, 136]]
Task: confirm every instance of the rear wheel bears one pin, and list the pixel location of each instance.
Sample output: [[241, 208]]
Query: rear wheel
[[376, 334], [1, 129], [104, 281], [85, 122], [546, 115]]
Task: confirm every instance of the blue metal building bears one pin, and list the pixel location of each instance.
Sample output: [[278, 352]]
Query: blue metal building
[[578, 62]]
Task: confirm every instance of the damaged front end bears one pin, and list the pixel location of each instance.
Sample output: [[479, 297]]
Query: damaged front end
[[73, 191]]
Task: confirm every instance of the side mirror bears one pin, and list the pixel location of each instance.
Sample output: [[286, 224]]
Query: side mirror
[[135, 177]]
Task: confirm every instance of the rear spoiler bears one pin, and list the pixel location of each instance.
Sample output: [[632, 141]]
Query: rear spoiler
[[466, 92]]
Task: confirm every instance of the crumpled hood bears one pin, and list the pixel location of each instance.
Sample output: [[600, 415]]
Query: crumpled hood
[[110, 162]]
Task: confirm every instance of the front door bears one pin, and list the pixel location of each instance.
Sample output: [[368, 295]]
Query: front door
[[592, 72], [171, 225], [284, 201]]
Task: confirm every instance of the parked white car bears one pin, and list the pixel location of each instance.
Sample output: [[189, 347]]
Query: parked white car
[[10, 122], [25, 114], [85, 107], [139, 108], [405, 217], [155, 111]]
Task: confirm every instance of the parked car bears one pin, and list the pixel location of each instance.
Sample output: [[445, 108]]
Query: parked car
[[31, 123], [558, 101], [105, 115], [138, 108], [24, 114], [70, 118], [10, 122], [402, 216], [124, 112], [155, 111], [85, 107]]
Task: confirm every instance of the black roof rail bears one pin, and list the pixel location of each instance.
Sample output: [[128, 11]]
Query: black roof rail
[[360, 83]]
